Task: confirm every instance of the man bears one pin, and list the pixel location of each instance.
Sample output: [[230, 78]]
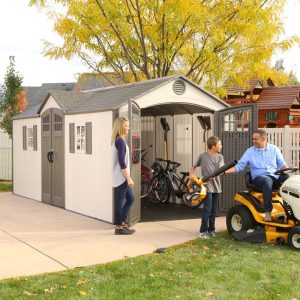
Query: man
[[264, 160], [209, 162]]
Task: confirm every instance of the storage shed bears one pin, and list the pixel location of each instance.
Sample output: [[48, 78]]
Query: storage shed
[[61, 146]]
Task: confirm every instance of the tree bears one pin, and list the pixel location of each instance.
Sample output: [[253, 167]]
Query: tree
[[293, 80], [289, 78], [209, 41], [279, 66], [12, 97]]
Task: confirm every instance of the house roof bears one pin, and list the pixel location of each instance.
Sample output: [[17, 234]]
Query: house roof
[[249, 86], [279, 97], [106, 98]]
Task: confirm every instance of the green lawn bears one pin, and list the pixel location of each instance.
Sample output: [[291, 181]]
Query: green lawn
[[5, 186], [218, 268]]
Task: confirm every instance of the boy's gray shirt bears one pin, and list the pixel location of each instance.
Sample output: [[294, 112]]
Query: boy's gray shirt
[[209, 164]]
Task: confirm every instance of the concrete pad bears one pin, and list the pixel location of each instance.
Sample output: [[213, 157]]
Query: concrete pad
[[17, 258], [37, 238]]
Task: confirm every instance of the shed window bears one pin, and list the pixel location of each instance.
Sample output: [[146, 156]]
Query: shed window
[[46, 123], [30, 138], [58, 124], [80, 138]]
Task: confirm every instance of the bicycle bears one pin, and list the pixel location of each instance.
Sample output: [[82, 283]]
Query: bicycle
[[145, 175], [158, 185], [190, 192]]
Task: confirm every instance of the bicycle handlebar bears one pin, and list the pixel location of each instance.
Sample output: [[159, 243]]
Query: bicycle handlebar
[[169, 162]]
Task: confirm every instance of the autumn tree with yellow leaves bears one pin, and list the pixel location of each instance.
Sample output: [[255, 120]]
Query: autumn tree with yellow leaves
[[209, 41]]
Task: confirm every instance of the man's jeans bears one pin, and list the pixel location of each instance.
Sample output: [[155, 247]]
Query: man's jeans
[[123, 192], [209, 212], [267, 183]]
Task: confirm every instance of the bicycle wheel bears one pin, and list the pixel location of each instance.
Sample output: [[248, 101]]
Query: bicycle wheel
[[144, 187], [158, 189]]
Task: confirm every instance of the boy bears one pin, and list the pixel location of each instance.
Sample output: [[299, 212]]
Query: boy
[[209, 162]]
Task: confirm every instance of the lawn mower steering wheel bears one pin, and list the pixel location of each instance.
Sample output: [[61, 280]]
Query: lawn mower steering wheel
[[286, 171]]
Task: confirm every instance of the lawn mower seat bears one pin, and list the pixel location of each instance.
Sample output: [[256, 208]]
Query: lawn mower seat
[[249, 183], [252, 186]]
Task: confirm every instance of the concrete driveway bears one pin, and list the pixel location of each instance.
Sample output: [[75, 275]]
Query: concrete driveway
[[36, 238]]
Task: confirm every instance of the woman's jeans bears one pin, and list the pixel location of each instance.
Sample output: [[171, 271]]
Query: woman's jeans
[[123, 201], [209, 212]]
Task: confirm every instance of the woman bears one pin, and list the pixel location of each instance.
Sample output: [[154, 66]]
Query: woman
[[121, 179]]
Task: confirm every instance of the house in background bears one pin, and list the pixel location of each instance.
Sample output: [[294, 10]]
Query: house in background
[[277, 105], [237, 95]]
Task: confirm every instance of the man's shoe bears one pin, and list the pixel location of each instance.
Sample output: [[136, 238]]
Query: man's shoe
[[204, 235], [212, 234], [123, 231], [268, 217]]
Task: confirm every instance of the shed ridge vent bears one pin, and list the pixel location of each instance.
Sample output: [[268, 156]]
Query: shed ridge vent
[[179, 87]]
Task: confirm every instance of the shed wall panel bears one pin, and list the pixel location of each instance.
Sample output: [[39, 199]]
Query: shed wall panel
[[27, 172], [88, 176], [183, 141], [148, 139], [159, 138], [199, 139]]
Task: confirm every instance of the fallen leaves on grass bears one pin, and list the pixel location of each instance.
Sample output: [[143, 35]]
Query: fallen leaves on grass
[[208, 294], [82, 293], [82, 281]]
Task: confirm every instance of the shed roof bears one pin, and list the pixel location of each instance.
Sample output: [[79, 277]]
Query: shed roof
[[116, 96], [279, 97], [106, 98], [36, 95], [66, 100]]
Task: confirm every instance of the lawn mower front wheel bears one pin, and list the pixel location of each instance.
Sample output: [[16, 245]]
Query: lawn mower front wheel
[[294, 238], [239, 218]]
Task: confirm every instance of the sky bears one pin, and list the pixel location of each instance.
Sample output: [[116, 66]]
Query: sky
[[23, 28]]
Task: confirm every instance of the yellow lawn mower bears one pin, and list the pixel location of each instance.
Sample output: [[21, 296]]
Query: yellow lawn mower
[[245, 221]]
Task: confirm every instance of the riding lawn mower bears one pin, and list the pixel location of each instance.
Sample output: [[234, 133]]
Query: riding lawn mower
[[245, 221]]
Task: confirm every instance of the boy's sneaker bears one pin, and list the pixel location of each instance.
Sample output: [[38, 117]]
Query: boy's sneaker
[[212, 234], [204, 235], [123, 231]]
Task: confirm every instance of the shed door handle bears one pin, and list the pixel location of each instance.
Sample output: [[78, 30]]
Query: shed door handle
[[50, 156]]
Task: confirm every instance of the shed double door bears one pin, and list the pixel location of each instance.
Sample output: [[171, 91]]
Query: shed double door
[[234, 126], [53, 163]]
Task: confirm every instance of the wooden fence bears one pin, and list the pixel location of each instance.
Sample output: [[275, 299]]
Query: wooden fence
[[288, 141], [5, 156]]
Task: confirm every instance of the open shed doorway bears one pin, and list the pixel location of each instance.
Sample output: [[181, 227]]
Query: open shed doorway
[[186, 138]]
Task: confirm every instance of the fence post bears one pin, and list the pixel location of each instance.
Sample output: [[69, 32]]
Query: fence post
[[286, 144]]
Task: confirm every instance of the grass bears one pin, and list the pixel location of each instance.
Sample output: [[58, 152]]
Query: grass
[[217, 268], [5, 186]]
